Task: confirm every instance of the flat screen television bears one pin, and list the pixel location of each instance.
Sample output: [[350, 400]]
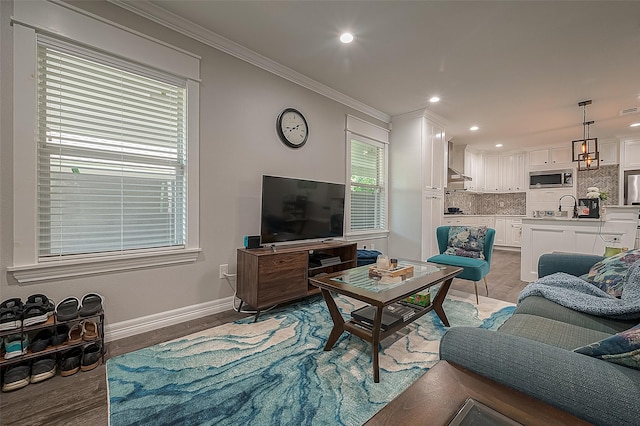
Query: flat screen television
[[299, 209]]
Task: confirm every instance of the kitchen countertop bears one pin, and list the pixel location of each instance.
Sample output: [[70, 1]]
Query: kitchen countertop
[[565, 219], [484, 215]]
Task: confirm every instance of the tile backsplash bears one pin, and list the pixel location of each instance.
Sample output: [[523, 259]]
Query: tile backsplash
[[486, 204], [605, 179]]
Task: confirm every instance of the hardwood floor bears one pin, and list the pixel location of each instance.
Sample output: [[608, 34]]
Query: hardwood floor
[[81, 399]]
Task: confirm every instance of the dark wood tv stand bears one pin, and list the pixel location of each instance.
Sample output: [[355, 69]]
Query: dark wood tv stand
[[271, 275]]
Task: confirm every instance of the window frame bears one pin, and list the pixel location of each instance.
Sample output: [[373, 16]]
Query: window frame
[[29, 19], [365, 132]]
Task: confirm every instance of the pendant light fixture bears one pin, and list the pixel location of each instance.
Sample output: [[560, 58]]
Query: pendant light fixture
[[585, 150]]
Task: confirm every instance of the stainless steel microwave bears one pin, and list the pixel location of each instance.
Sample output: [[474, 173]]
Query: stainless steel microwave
[[551, 179]]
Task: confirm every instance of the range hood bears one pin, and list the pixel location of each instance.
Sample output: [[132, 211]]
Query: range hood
[[455, 171]]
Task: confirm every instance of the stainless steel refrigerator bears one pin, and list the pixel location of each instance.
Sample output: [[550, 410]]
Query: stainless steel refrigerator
[[632, 187]]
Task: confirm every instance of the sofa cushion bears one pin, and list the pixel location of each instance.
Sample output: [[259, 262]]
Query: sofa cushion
[[622, 348], [610, 274], [537, 305], [551, 332], [467, 241]]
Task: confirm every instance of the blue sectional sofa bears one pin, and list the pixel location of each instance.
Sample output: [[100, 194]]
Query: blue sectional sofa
[[533, 353]]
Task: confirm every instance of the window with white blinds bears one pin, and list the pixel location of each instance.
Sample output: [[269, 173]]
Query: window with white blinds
[[368, 185], [111, 154]]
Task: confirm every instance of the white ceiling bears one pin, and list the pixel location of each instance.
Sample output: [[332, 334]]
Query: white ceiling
[[517, 69]]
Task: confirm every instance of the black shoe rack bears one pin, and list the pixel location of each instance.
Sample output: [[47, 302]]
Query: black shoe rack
[[55, 351]]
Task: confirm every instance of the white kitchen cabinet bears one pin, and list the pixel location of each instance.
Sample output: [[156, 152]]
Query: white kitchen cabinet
[[473, 167], [417, 179], [467, 220], [513, 172], [539, 158], [501, 231], [608, 152], [492, 173], [631, 155], [520, 172], [488, 221], [508, 231], [514, 232], [505, 173], [561, 155], [550, 158]]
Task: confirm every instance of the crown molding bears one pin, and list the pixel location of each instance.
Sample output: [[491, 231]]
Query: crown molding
[[185, 27], [426, 113]]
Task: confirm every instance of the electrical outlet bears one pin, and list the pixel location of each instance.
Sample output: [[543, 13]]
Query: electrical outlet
[[224, 269]]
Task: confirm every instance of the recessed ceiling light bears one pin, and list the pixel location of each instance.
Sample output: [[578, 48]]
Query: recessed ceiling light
[[474, 128], [498, 145], [346, 38], [434, 99], [635, 125]]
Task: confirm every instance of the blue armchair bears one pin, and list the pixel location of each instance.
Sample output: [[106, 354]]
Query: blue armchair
[[474, 269]]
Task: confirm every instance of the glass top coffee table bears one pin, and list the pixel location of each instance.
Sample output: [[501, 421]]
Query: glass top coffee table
[[362, 284]]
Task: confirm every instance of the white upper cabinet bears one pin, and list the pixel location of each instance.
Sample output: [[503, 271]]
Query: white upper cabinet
[[520, 172], [631, 155], [505, 173], [474, 168], [608, 152], [539, 158], [550, 158], [492, 173], [561, 155]]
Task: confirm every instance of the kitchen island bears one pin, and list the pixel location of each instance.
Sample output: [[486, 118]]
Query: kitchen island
[[616, 227]]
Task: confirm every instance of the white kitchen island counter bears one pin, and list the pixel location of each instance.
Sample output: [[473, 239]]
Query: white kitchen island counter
[[616, 228]]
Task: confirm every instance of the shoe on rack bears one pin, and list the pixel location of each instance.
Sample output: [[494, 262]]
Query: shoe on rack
[[43, 369], [11, 314], [75, 333], [91, 304], [15, 345], [70, 362], [60, 335], [89, 330], [67, 309], [91, 355], [37, 309], [16, 377], [41, 340]]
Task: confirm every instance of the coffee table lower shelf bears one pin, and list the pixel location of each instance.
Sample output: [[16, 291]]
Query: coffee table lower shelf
[[365, 330]]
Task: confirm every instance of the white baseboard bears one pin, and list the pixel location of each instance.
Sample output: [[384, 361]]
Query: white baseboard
[[506, 248], [140, 325]]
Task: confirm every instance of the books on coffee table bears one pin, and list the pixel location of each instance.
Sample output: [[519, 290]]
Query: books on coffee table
[[391, 315]]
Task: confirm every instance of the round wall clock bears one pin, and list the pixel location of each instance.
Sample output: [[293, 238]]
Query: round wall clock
[[292, 128]]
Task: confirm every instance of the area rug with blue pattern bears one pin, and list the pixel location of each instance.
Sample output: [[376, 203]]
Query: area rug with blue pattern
[[275, 371]]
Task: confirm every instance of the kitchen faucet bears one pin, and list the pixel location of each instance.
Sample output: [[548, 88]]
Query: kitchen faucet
[[575, 205]]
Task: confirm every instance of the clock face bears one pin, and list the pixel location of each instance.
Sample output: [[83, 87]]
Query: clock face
[[292, 128]]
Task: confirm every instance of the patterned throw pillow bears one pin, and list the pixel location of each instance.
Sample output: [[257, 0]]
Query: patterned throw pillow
[[622, 348], [467, 241], [610, 274]]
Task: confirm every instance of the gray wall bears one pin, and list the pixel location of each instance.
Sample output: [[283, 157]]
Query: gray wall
[[238, 143]]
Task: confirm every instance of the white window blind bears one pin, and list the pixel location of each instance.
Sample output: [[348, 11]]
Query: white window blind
[[368, 190], [111, 154]]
